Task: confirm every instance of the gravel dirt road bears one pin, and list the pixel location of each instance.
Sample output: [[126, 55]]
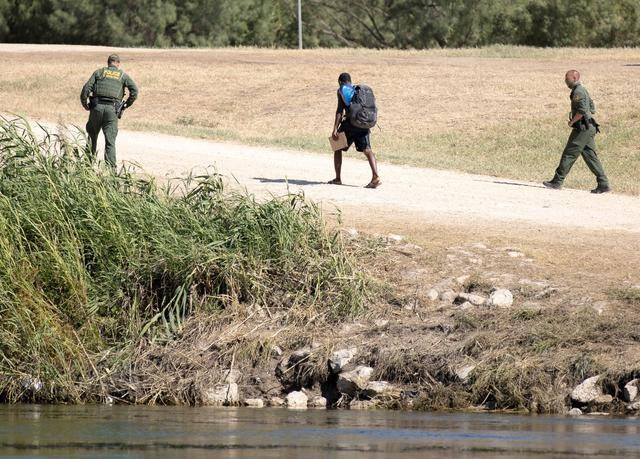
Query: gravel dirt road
[[430, 195]]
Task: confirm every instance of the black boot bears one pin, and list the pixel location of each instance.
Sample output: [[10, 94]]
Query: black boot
[[601, 189], [553, 185]]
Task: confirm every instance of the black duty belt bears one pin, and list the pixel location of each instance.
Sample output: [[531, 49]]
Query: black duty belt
[[105, 100]]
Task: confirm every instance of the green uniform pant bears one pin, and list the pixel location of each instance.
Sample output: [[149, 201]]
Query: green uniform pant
[[103, 117], [581, 143]]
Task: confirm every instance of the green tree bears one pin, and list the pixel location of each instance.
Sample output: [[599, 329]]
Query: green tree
[[4, 13], [328, 23]]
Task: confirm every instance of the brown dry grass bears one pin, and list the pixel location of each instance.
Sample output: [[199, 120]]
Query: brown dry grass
[[527, 357], [498, 111]]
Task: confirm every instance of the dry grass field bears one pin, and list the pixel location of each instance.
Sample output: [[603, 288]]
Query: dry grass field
[[499, 111]]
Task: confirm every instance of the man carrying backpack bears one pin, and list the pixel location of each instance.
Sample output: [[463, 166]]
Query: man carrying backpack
[[355, 116]]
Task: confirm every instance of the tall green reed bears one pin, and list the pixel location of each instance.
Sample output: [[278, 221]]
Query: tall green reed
[[93, 260]]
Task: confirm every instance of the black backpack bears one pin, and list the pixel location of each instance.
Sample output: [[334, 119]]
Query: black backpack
[[363, 112]]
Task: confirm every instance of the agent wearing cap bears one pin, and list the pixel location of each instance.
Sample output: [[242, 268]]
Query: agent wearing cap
[[102, 95]]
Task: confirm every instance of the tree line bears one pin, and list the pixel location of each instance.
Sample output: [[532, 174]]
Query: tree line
[[403, 24]]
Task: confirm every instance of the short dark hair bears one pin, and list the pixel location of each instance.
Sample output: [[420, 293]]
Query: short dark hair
[[113, 58], [344, 78]]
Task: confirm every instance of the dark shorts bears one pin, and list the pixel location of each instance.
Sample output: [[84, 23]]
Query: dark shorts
[[359, 137]]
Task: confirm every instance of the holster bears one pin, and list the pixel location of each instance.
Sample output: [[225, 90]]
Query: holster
[[583, 124], [119, 106]]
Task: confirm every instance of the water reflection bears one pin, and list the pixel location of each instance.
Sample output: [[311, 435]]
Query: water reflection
[[120, 431]]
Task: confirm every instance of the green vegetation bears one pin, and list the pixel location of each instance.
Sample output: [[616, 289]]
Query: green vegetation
[[94, 262], [328, 23], [629, 295]]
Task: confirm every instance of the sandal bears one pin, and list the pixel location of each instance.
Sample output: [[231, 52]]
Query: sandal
[[374, 183]]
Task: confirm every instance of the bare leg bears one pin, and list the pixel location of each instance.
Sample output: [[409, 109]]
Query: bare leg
[[375, 178], [337, 165]]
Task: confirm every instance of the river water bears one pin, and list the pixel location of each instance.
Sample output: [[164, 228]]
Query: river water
[[186, 433]]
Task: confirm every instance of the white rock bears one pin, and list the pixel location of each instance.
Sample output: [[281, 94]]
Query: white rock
[[32, 383], [276, 351], [300, 354], [362, 405], [466, 305], [479, 246], [546, 293], [432, 294], [408, 248], [339, 359], [631, 390], [381, 323], [108, 400], [501, 298], [37, 385], [297, 400], [276, 401], [448, 296], [395, 238], [353, 381], [462, 279], [381, 389], [600, 306], [604, 398], [318, 402], [463, 372], [473, 298], [254, 402], [635, 406], [231, 376], [575, 412], [221, 394], [535, 285], [515, 254], [588, 391], [351, 232]]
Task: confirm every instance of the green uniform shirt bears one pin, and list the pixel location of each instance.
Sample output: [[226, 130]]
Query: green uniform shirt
[[581, 102], [112, 81]]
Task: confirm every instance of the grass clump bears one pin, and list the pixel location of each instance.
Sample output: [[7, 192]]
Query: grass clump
[[92, 262], [630, 295]]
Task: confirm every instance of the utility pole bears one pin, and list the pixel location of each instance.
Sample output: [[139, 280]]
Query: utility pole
[[300, 24]]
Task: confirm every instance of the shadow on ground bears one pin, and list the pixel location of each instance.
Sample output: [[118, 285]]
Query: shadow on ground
[[501, 182], [300, 182]]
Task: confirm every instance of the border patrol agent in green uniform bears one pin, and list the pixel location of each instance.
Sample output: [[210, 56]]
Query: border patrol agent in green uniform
[[102, 95], [582, 139]]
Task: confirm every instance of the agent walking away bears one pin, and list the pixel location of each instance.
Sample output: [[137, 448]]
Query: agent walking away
[[582, 138], [355, 116], [103, 95]]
